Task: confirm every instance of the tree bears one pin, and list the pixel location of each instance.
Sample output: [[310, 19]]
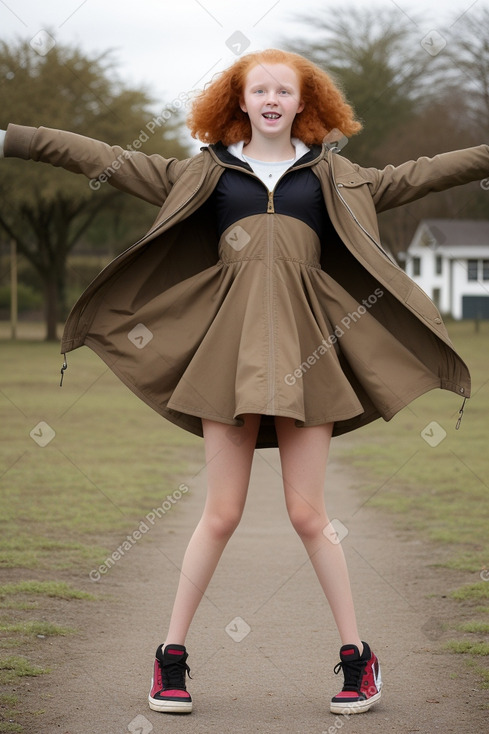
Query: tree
[[46, 211], [372, 56], [437, 127], [412, 102], [468, 66]]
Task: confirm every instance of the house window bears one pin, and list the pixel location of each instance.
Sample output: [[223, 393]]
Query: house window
[[436, 297], [485, 270], [416, 266], [472, 269], [438, 264]]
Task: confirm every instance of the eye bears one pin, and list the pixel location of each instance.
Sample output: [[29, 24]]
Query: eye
[[284, 91], [259, 91]]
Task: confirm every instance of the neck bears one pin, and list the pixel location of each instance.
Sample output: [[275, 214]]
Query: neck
[[266, 149]]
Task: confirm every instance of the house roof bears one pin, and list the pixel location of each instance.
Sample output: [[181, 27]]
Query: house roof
[[458, 232]]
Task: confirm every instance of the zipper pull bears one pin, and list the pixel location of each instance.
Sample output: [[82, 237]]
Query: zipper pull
[[270, 207], [460, 415], [63, 368]]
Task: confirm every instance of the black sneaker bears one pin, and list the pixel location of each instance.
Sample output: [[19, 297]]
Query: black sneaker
[[363, 681], [168, 692]]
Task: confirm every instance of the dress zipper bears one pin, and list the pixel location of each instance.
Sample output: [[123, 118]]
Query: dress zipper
[[270, 207], [271, 325], [270, 285]]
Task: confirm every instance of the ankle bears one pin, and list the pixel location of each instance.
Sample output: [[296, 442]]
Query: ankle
[[166, 644], [358, 643]]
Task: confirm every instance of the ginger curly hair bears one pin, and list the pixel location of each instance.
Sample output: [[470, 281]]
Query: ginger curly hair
[[216, 114]]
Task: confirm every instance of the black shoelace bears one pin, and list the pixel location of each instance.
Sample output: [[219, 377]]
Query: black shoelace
[[173, 674], [353, 671]]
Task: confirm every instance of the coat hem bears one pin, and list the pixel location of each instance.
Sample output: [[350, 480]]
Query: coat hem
[[254, 409], [193, 424]]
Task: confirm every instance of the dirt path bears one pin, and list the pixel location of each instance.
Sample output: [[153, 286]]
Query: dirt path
[[279, 677]]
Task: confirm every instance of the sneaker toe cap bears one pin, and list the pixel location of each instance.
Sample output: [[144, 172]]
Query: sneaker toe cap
[[349, 696], [173, 695]]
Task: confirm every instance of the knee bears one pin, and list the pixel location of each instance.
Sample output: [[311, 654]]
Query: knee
[[221, 525], [307, 523]]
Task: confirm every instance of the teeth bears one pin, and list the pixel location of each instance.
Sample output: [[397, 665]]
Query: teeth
[[271, 115]]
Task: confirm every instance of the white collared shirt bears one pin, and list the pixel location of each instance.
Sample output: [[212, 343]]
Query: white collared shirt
[[269, 171]]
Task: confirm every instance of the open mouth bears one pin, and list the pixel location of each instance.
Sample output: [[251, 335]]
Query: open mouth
[[271, 115]]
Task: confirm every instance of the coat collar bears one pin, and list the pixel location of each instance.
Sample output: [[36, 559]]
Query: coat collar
[[300, 149], [222, 155]]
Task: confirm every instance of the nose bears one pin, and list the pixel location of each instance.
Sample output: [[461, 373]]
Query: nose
[[271, 97]]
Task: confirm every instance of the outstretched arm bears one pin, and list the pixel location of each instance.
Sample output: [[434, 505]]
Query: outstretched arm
[[397, 185], [150, 177]]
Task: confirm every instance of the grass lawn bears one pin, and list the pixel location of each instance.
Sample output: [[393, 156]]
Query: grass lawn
[[109, 461], [434, 479], [80, 467]]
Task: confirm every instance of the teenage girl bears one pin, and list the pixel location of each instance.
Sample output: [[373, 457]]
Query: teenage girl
[[266, 311], [271, 99]]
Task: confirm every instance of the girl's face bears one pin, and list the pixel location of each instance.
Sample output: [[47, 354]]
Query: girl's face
[[271, 99]]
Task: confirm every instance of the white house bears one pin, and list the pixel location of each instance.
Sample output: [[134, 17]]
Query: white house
[[449, 260]]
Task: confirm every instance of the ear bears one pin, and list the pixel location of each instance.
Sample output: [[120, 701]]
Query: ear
[[243, 106], [300, 107]]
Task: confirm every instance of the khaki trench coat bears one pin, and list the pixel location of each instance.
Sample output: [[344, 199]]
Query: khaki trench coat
[[182, 243]]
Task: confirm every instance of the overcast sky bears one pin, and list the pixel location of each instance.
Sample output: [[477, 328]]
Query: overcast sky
[[177, 46]]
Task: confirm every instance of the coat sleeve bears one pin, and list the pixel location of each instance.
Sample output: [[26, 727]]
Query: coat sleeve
[[149, 177], [397, 185]]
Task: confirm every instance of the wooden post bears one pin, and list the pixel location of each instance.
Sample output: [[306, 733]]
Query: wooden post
[[14, 304]]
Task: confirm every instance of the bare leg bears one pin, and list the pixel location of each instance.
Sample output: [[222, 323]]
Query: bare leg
[[229, 455], [303, 455]]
